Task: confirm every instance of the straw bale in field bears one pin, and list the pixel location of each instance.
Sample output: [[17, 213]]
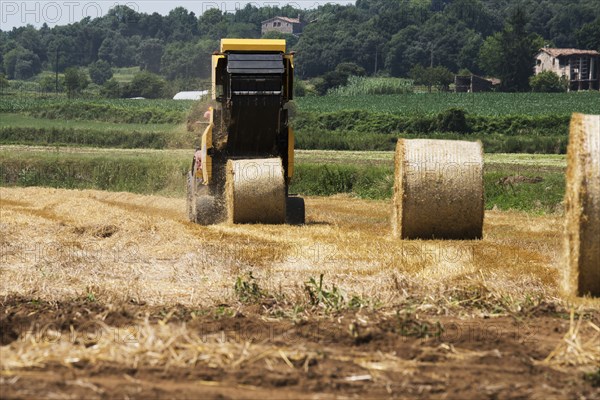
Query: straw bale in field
[[255, 191], [438, 190], [582, 201]]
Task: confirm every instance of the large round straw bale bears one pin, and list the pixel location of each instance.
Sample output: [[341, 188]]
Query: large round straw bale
[[255, 191], [438, 190], [582, 201]]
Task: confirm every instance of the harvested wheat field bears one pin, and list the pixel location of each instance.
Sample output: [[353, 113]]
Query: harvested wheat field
[[115, 295]]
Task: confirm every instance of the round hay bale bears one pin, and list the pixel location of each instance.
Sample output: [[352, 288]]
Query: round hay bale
[[255, 191], [582, 202], [438, 189]]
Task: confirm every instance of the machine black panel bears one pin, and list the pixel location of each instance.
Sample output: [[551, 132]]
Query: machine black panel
[[240, 63]]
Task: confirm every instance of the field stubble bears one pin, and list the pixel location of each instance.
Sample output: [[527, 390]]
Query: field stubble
[[389, 316], [112, 294]]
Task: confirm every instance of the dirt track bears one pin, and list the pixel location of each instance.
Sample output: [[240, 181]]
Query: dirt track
[[114, 295]]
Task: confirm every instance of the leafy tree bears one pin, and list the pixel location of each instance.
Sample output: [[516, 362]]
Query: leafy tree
[[509, 54], [48, 83], [182, 24], [441, 40], [350, 69], [243, 30], [75, 81], [331, 40], [519, 48], [3, 82], [122, 20], [588, 37], [491, 57], [213, 24], [475, 15], [299, 88], [111, 89], [337, 78], [439, 76], [187, 60], [154, 26], [150, 54], [381, 36], [145, 84], [30, 38], [548, 82], [117, 50], [100, 72], [21, 63], [290, 40]]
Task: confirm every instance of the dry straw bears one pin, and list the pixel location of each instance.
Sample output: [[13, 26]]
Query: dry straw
[[438, 191], [255, 191], [582, 200], [574, 350]]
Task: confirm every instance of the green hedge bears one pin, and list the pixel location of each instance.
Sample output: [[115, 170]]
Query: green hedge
[[364, 121], [83, 137], [150, 174], [363, 130], [109, 113], [144, 174]]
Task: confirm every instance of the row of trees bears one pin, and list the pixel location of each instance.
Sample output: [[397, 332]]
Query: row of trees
[[380, 36], [76, 80], [176, 45]]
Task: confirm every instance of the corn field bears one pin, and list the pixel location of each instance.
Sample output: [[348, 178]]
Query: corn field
[[359, 86], [489, 104]]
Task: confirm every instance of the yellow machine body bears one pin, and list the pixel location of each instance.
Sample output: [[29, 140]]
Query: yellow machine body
[[248, 127], [219, 72]]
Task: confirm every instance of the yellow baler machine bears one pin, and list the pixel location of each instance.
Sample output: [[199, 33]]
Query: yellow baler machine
[[252, 83]]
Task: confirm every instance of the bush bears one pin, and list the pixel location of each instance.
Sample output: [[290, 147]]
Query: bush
[[75, 81], [111, 89], [3, 82], [142, 113], [439, 76], [299, 88], [548, 82], [83, 137], [100, 72], [453, 120], [145, 84], [350, 69], [330, 80], [337, 78]]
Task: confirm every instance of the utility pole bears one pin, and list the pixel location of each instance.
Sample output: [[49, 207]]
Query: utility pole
[[56, 70], [376, 57], [431, 49]]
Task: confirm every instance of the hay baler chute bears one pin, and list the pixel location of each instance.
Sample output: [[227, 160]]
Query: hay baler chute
[[245, 163]]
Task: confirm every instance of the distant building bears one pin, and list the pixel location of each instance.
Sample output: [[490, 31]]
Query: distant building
[[473, 84], [580, 67], [196, 95], [283, 25]]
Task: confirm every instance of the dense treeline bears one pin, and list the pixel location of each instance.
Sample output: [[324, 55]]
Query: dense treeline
[[381, 36]]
